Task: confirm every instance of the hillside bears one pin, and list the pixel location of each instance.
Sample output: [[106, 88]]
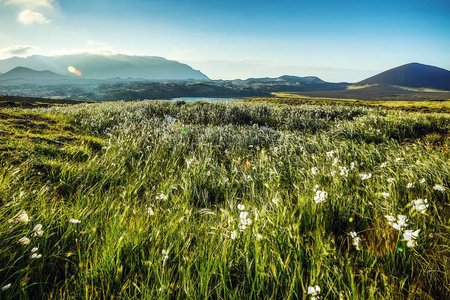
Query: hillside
[[29, 74], [412, 75], [103, 67]]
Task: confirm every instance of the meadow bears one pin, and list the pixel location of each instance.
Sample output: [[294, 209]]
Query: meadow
[[235, 200]]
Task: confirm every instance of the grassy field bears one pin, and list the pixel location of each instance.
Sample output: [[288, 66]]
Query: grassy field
[[174, 200], [424, 105]]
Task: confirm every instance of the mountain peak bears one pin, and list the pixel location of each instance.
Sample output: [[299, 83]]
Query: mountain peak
[[412, 75], [29, 74]]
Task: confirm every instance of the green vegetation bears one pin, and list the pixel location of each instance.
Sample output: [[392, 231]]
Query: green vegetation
[[425, 106], [175, 200]]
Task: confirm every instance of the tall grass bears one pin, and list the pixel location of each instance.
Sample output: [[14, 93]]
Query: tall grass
[[174, 200]]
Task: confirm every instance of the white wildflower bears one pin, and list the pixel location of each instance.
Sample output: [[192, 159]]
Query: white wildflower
[[37, 230], [335, 162], [314, 171], [314, 291], [24, 240], [22, 217], [420, 205], [438, 187], [343, 171], [320, 196], [6, 287], [244, 220], [398, 223], [333, 173], [35, 255], [161, 197], [150, 211], [241, 207], [399, 159], [409, 185], [356, 239], [35, 249], [422, 181], [165, 255], [390, 218], [385, 195], [189, 162], [330, 153], [316, 188], [352, 165], [401, 222], [383, 165], [391, 180], [74, 221], [233, 235], [365, 176], [259, 236], [411, 236], [275, 200]]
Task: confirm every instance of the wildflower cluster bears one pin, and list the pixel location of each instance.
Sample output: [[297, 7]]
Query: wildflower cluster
[[420, 205], [399, 224], [314, 291], [320, 196], [244, 218]]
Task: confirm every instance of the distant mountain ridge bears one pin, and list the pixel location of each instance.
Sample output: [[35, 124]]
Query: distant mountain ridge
[[101, 67], [412, 75], [29, 74], [287, 79]]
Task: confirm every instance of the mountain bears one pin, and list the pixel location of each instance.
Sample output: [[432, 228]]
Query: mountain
[[307, 79], [93, 66], [412, 75], [288, 79], [29, 74]]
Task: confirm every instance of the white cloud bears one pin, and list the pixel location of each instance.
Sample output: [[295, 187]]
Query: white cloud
[[29, 17], [96, 44], [22, 50], [31, 4], [61, 52]]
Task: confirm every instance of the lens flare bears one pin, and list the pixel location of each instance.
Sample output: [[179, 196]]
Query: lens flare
[[73, 70]]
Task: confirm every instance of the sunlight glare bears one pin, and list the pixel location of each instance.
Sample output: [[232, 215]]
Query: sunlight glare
[[73, 70]]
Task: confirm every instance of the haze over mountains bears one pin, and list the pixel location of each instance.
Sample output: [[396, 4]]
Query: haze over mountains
[[93, 66]]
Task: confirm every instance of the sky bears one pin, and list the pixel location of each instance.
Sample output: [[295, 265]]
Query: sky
[[346, 40]]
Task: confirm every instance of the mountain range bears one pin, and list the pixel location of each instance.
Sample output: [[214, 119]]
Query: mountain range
[[93, 66]]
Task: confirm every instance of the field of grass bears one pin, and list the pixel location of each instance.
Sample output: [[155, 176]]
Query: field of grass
[[424, 106], [174, 200]]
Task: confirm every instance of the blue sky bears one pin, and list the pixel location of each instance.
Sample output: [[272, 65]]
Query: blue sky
[[343, 40]]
